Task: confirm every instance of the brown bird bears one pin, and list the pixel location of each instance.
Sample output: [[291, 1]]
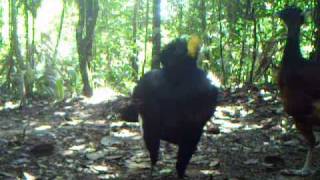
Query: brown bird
[[299, 83]]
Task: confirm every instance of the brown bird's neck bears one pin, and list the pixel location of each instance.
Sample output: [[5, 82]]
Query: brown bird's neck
[[292, 51]]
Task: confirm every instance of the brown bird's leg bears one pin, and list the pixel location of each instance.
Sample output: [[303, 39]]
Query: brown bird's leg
[[306, 130]]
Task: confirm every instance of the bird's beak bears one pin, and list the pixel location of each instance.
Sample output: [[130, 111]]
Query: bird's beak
[[194, 46]]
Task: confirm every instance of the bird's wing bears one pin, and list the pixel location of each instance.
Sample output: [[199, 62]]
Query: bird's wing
[[308, 78]]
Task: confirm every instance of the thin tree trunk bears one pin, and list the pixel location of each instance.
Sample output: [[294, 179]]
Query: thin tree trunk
[[156, 34], [16, 52], [180, 18], [254, 50], [317, 33], [134, 57], [242, 55], [88, 14], [221, 44], [203, 16], [28, 80], [59, 31], [26, 23], [145, 39]]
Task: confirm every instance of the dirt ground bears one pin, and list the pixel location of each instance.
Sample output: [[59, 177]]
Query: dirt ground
[[249, 138]]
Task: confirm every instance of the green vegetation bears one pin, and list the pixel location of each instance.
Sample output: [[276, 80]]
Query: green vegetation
[[57, 49]]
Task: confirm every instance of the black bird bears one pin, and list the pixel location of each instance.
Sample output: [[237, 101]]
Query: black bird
[[174, 102]]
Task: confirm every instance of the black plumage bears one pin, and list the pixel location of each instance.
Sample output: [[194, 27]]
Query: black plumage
[[175, 102]]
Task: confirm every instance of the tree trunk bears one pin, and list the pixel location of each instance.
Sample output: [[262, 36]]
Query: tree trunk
[[16, 52], [221, 44], [134, 57], [317, 33], [88, 14], [145, 39], [156, 34], [242, 55], [28, 83], [254, 49], [59, 31], [180, 18], [203, 19]]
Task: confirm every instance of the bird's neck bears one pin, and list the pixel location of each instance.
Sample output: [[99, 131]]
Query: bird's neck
[[292, 52], [180, 73]]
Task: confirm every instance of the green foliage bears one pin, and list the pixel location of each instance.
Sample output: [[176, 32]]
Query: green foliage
[[232, 43]]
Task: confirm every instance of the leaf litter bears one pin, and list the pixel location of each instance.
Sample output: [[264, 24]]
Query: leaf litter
[[249, 138]]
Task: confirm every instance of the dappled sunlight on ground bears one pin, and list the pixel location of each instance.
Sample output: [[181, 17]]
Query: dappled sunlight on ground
[[231, 118], [90, 142], [101, 95]]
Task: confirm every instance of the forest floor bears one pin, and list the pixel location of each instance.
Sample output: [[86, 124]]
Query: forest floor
[[247, 139]]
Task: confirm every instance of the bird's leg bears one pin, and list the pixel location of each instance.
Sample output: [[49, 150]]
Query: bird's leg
[[184, 156], [308, 161], [186, 149], [152, 142], [307, 131]]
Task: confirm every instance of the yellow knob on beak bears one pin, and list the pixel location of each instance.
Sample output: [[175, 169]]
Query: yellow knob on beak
[[193, 46]]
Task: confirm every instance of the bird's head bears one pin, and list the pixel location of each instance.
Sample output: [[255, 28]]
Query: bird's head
[[292, 16], [180, 51]]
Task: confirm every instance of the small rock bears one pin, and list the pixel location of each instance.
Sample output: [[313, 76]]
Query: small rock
[[96, 155], [251, 162], [213, 130], [293, 142], [215, 163], [109, 141]]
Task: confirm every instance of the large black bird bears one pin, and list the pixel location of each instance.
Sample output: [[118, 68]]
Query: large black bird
[[174, 102]]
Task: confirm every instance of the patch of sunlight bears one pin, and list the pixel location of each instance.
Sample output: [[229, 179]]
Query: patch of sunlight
[[78, 147], [227, 126], [224, 112], [214, 79], [164, 13], [48, 12], [268, 5], [74, 122], [244, 113], [28, 176], [251, 127], [100, 168], [307, 48], [267, 95], [95, 122], [211, 172], [68, 152], [117, 124], [124, 133], [109, 176], [100, 95], [43, 127], [11, 105], [59, 113]]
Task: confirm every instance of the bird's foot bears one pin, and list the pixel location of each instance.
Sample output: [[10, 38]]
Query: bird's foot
[[154, 171], [297, 172], [183, 177]]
